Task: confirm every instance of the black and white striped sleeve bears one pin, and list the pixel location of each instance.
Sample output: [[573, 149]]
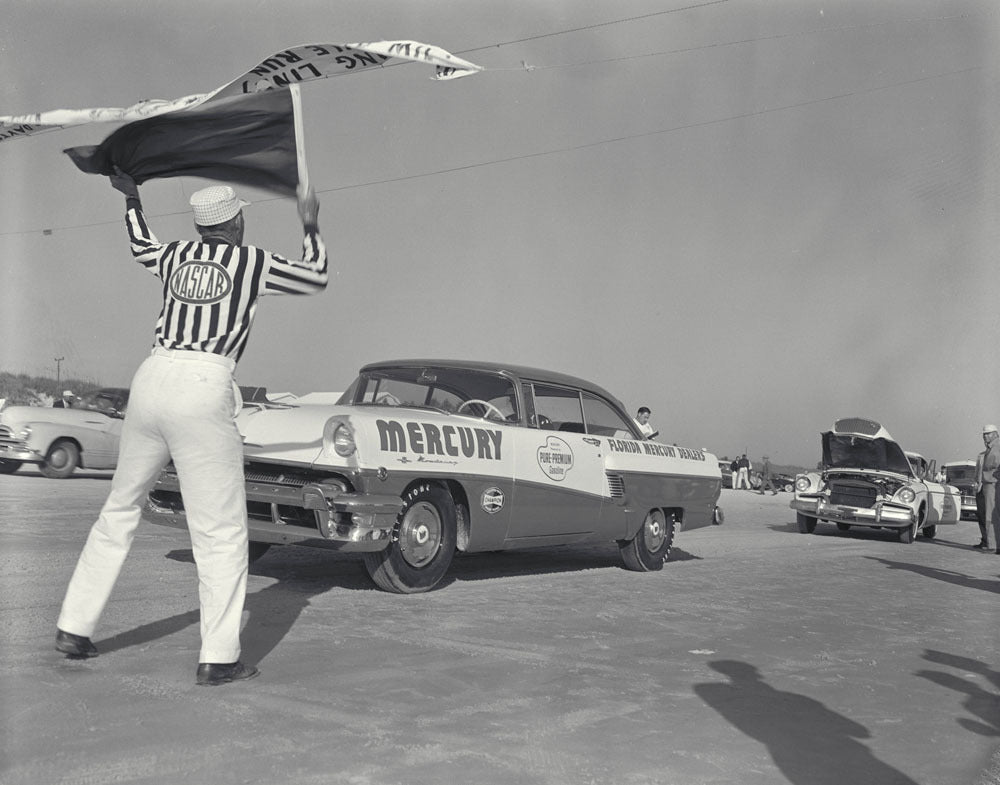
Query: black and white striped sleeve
[[308, 276], [146, 249]]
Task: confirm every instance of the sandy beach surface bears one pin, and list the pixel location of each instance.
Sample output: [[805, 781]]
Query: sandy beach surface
[[758, 655]]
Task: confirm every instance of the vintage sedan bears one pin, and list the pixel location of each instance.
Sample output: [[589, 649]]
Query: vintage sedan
[[962, 475], [420, 458], [60, 440], [867, 480]]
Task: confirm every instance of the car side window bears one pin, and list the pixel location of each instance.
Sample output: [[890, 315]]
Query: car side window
[[558, 409], [603, 419]]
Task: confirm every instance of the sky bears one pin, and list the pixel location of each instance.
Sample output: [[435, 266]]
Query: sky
[[753, 217]]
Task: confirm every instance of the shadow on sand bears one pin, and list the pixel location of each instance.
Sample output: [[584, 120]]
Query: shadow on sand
[[983, 704], [948, 576], [809, 743]]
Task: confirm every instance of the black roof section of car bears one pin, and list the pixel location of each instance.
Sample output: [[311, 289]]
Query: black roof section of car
[[522, 372]]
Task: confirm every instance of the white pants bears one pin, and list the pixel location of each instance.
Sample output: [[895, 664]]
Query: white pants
[[181, 407], [743, 480]]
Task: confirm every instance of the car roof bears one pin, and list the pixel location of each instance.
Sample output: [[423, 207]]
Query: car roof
[[958, 463], [520, 371]]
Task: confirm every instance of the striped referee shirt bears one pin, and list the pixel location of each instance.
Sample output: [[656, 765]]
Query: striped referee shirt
[[210, 289]]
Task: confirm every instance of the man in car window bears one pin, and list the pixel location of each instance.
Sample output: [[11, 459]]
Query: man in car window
[[182, 407]]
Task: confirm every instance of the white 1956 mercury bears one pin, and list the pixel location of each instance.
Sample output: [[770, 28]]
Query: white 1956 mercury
[[419, 458]]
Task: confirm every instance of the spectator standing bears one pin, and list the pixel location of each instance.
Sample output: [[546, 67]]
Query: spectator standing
[[66, 401], [765, 478], [642, 420], [182, 407], [743, 474], [734, 470], [984, 538], [990, 475]]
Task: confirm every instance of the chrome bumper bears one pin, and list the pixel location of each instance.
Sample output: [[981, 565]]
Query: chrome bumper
[[19, 451], [887, 514], [285, 515]]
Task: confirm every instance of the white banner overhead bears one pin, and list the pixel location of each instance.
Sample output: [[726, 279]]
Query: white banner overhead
[[282, 69]]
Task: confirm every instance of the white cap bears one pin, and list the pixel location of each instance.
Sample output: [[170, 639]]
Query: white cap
[[67, 392], [215, 205], [990, 428]]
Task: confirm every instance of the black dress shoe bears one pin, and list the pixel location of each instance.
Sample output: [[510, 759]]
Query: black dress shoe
[[981, 546], [213, 673], [76, 646]]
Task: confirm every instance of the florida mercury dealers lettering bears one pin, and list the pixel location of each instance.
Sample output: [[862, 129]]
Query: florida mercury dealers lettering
[[427, 439], [652, 448]]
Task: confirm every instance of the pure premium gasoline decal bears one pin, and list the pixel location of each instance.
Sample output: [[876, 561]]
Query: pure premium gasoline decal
[[555, 458], [200, 282], [425, 438]]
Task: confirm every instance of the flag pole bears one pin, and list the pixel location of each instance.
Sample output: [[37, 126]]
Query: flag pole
[[300, 144]]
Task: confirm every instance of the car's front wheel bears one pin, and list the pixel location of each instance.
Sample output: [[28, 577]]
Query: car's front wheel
[[9, 467], [807, 524], [909, 534], [60, 461], [650, 547], [423, 543]]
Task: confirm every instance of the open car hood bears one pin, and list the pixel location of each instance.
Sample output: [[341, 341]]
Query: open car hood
[[851, 451]]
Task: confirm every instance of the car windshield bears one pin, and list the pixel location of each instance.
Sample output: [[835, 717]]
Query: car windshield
[[104, 401], [849, 451], [455, 390], [955, 474]]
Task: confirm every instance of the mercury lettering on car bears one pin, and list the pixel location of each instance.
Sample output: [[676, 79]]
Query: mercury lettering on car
[[200, 283], [425, 438]]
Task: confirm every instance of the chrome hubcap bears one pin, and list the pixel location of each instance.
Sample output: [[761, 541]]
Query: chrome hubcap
[[654, 531], [420, 534]]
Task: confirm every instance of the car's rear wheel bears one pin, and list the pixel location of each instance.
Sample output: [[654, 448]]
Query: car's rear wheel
[[256, 549], [60, 461], [8, 466], [423, 543], [807, 524], [650, 547]]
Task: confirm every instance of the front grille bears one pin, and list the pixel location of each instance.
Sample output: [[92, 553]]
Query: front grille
[[616, 485], [5, 432], [852, 494], [273, 475]]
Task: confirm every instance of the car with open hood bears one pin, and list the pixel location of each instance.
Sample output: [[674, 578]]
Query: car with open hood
[[60, 440], [422, 458], [867, 480]]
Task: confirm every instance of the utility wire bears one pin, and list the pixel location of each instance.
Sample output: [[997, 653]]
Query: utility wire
[[721, 44], [572, 148], [525, 66]]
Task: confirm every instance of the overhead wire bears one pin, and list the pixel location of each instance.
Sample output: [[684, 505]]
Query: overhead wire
[[614, 140]]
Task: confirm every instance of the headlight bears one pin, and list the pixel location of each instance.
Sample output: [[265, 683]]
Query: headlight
[[906, 495], [338, 437], [342, 440], [802, 484]]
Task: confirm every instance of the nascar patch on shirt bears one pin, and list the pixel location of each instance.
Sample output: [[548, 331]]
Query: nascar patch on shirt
[[200, 283]]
